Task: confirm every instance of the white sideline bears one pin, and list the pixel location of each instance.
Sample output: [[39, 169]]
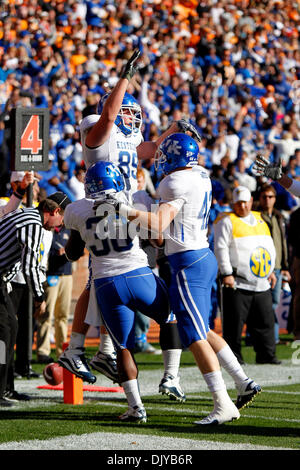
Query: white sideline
[[184, 409], [283, 392], [122, 441]]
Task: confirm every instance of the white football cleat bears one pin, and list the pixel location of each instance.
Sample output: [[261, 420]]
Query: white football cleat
[[220, 415], [170, 386], [75, 362], [106, 364], [134, 415]]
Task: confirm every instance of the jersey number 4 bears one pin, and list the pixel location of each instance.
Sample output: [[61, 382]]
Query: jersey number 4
[[204, 211]]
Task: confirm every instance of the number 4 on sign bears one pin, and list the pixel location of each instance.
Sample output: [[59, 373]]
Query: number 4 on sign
[[30, 137]]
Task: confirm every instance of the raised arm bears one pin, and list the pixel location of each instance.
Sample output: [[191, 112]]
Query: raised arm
[[274, 171], [101, 130], [18, 194], [147, 150]]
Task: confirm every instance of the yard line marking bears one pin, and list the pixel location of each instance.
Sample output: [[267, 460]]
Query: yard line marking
[[188, 410], [290, 420], [280, 391]]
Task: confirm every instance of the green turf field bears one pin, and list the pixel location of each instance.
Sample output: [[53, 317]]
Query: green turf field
[[273, 419]]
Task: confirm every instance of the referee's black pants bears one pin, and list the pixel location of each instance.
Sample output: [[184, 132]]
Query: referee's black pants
[[20, 298], [242, 307], [8, 334]]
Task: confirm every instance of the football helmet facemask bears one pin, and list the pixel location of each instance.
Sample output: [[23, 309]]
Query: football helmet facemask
[[129, 118]]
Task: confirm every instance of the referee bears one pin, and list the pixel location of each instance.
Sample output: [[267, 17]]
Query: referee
[[20, 238]]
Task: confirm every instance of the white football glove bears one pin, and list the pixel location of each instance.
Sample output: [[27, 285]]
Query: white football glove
[[265, 168]]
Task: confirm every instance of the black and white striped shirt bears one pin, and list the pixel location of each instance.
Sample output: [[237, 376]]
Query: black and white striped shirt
[[21, 233]]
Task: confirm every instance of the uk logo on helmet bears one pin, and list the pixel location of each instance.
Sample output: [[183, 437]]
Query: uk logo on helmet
[[173, 147]]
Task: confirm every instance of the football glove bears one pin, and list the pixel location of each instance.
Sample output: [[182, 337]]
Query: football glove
[[265, 168], [111, 204], [185, 126], [130, 68]]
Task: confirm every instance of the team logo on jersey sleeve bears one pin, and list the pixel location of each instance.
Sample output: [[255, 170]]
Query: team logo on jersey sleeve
[[260, 262]]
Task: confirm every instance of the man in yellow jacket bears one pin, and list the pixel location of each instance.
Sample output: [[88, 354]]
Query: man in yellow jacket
[[246, 255]]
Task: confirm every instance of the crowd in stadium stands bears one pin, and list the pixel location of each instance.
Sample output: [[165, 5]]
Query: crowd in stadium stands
[[230, 67]]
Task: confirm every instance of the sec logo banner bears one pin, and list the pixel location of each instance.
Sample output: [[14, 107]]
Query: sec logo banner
[[260, 262]]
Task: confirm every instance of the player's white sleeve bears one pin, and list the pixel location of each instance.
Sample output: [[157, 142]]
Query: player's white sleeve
[[69, 221], [295, 188], [222, 241], [176, 203], [88, 122], [171, 192]]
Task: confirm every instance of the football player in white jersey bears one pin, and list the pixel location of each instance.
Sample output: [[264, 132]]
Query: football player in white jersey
[[185, 198], [95, 133], [123, 280], [115, 135]]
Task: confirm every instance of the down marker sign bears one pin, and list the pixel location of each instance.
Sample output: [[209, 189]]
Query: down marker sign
[[31, 139]]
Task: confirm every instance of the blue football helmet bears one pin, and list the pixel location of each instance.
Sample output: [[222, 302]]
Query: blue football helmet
[[102, 179], [129, 107], [176, 151]]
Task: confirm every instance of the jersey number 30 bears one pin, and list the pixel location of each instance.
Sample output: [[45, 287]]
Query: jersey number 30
[[118, 245]]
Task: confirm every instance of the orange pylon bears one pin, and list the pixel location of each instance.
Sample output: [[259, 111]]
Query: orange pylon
[[73, 387]]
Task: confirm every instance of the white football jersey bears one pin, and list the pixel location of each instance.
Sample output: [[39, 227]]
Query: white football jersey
[[119, 149], [190, 192], [112, 250]]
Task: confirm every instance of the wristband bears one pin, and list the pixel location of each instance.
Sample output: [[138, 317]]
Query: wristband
[[21, 190], [18, 195]]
